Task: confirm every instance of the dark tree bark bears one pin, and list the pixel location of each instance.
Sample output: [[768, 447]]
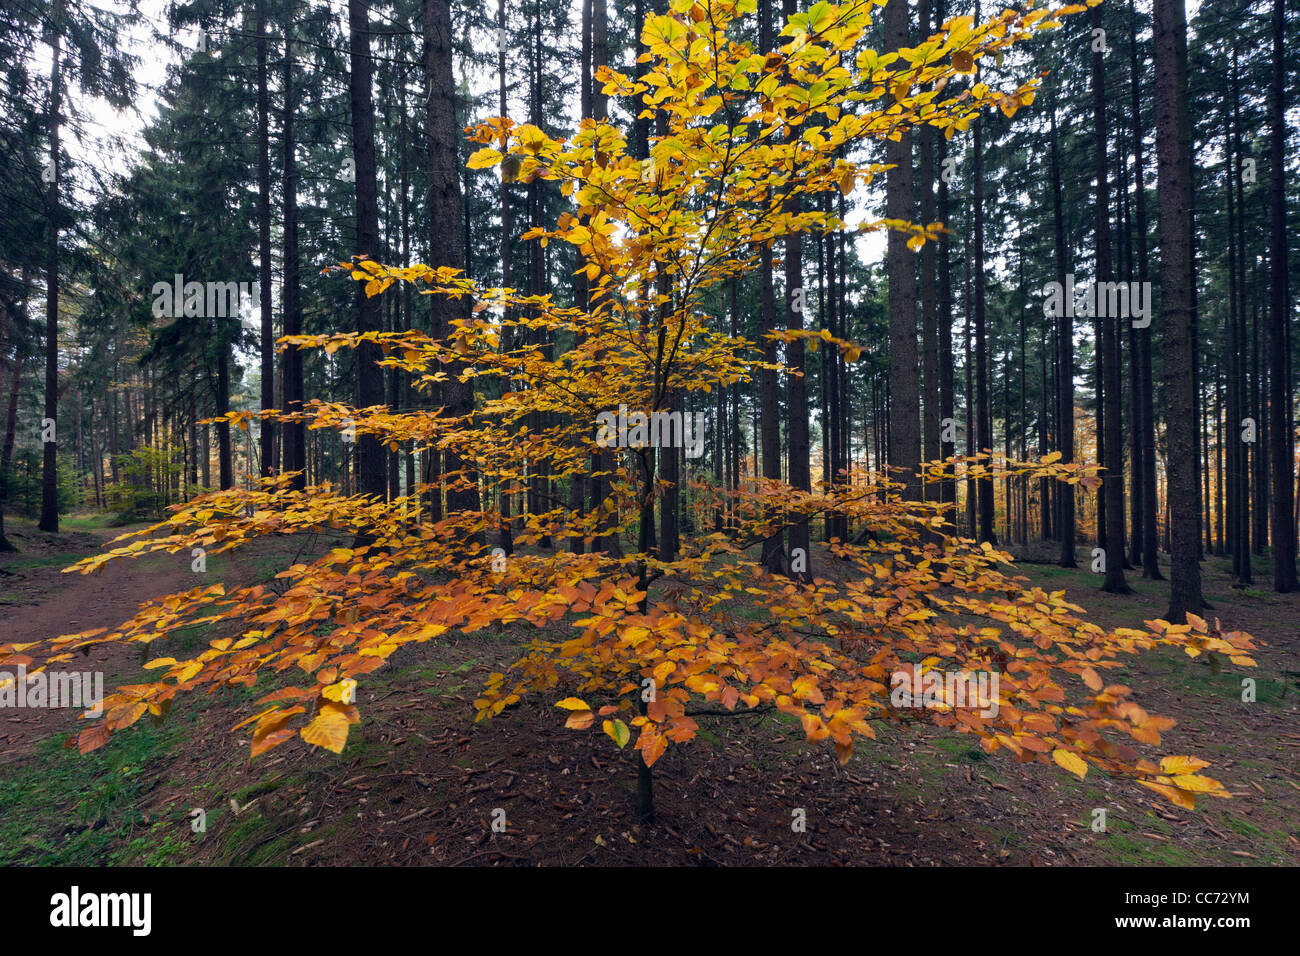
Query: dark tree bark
[[505, 537], [929, 285], [267, 344], [1065, 360], [603, 460], [15, 376], [294, 434], [968, 364], [50, 462], [1128, 273], [445, 247], [773, 557], [581, 285], [1142, 355], [225, 454], [371, 471], [11, 416], [983, 413], [796, 384], [1113, 471], [1237, 465], [773, 553], [904, 385], [1173, 161], [947, 401], [1282, 450]]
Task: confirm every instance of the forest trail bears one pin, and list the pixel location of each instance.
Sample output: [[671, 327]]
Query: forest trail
[[38, 601]]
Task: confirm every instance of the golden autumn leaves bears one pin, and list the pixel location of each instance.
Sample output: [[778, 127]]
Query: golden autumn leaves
[[710, 631]]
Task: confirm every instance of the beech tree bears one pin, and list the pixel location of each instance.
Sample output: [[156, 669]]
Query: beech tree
[[646, 645]]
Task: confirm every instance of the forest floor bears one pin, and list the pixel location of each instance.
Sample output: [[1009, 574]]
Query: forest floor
[[419, 781]]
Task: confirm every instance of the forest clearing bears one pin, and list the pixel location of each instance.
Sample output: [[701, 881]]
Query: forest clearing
[[649, 433]]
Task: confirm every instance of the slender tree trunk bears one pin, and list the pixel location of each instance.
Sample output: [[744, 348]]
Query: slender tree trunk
[[371, 472], [505, 537], [444, 245], [773, 556], [1023, 379], [904, 386], [15, 374], [929, 285], [1137, 463], [983, 413], [225, 459], [294, 435], [1113, 462], [11, 416], [50, 464], [267, 344], [947, 402], [1238, 487], [1282, 452], [1142, 353], [1237, 359], [1173, 158], [835, 418], [1065, 359], [972, 423], [796, 384], [537, 479]]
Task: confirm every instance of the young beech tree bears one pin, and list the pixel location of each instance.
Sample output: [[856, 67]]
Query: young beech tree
[[645, 647]]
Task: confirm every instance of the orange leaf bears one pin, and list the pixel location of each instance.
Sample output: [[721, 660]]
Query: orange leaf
[[273, 739], [580, 720], [93, 737]]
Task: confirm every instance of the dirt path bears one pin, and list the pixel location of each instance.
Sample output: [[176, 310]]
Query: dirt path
[[42, 602]]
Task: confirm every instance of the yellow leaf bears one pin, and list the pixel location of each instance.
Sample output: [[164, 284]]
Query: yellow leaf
[[618, 732], [573, 703], [484, 158], [1197, 784], [1183, 798], [1180, 764], [1071, 762], [192, 668], [328, 730], [343, 689]]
